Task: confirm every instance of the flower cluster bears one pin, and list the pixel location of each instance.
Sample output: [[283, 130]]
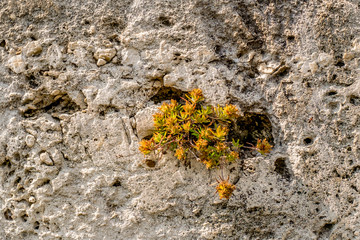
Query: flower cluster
[[191, 129], [224, 188]]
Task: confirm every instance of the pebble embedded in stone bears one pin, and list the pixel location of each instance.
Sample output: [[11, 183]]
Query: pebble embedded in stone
[[45, 158], [33, 49], [105, 54], [30, 140], [101, 62], [32, 199], [17, 64]]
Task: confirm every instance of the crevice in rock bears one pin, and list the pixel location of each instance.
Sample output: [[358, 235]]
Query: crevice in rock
[[8, 215], [116, 183], [127, 132], [355, 100], [36, 225], [340, 63], [150, 163], [326, 230], [282, 169], [52, 105], [106, 109], [251, 127], [32, 81], [331, 93], [165, 21], [168, 93], [308, 141], [2, 43]]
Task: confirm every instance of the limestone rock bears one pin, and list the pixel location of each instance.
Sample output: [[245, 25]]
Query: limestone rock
[[33, 49], [105, 54], [144, 121], [30, 140], [17, 64], [45, 158], [70, 167], [101, 62]]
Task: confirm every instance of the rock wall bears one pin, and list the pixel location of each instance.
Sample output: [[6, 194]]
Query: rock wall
[[80, 81]]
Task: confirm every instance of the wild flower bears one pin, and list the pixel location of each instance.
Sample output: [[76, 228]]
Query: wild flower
[[194, 130]]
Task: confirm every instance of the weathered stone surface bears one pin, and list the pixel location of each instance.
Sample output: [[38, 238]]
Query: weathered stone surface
[[144, 121], [69, 130], [105, 54], [32, 49], [17, 64]]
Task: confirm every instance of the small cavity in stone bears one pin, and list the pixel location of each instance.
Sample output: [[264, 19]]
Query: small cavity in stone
[[168, 93]]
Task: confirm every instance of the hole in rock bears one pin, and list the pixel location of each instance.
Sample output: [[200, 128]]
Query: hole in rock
[[332, 93], [45, 182], [291, 38], [17, 180], [24, 217], [8, 215], [326, 230], [54, 104], [21, 190], [17, 157], [168, 93], [355, 100], [11, 173], [256, 44], [2, 43], [219, 50], [150, 163], [165, 21], [281, 168], [307, 141], [32, 81], [148, 137], [340, 64], [7, 163], [116, 183], [251, 127], [36, 225]]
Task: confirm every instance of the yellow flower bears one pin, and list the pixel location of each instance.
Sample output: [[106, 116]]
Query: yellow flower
[[231, 111], [263, 146], [200, 144], [180, 153], [186, 126], [146, 146], [220, 133], [225, 188], [195, 95]]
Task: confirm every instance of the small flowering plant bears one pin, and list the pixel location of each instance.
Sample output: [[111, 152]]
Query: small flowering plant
[[194, 130], [224, 188]]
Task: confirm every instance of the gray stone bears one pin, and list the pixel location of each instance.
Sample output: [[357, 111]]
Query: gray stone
[[70, 130], [17, 64]]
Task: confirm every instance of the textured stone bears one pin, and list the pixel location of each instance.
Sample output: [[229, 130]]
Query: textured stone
[[30, 140], [69, 130], [45, 158], [17, 64], [144, 121], [33, 49], [101, 62], [105, 54]]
